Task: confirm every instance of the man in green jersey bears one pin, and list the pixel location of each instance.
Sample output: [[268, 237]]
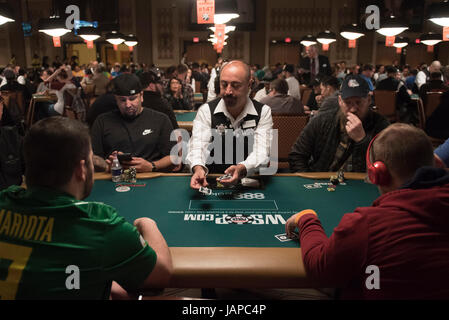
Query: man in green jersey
[[54, 245]]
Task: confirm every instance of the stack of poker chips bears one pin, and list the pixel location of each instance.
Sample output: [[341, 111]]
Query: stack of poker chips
[[130, 175], [335, 180]]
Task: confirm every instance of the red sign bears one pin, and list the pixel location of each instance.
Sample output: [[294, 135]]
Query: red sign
[[429, 48], [131, 49], [90, 44], [115, 47], [446, 34], [389, 41], [325, 46], [220, 31], [417, 41], [205, 11], [288, 40], [57, 42], [196, 39], [398, 50], [352, 43]]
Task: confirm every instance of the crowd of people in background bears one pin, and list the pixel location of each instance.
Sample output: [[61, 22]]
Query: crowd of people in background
[[278, 86]]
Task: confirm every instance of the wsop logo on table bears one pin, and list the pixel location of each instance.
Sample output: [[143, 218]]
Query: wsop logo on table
[[236, 219], [239, 219]]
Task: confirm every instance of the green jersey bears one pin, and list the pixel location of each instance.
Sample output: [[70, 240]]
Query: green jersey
[[53, 246]]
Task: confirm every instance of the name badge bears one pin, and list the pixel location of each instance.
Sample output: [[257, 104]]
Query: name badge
[[249, 124]]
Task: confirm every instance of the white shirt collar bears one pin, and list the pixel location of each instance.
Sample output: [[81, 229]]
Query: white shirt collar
[[248, 109]]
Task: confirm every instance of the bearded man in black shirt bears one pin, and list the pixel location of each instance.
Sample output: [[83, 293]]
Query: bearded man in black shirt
[[143, 132]]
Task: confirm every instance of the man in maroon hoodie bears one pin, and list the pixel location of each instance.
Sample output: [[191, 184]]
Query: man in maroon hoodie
[[399, 247]]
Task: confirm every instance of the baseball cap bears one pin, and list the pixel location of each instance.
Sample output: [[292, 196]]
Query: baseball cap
[[289, 68], [126, 84], [354, 86]]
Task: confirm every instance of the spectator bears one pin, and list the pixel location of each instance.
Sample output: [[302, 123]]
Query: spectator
[[293, 84], [174, 95], [280, 101]]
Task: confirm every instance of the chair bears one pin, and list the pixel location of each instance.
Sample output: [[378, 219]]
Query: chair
[[385, 102], [69, 112], [89, 91], [433, 100], [305, 95], [289, 128], [421, 114], [14, 102]]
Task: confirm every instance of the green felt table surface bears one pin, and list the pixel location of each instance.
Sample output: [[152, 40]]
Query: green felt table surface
[[185, 116], [232, 218]]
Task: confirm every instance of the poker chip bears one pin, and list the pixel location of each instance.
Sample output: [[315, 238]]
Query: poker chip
[[330, 189], [239, 219], [122, 189]]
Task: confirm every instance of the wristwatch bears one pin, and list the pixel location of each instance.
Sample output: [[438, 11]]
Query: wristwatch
[[153, 166]]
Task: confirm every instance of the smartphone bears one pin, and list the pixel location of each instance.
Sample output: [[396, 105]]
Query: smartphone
[[124, 157]]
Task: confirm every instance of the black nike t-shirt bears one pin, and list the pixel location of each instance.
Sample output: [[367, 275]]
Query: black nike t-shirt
[[147, 136]]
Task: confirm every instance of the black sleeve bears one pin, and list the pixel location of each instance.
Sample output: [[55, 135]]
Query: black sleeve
[[97, 138], [164, 143], [302, 150]]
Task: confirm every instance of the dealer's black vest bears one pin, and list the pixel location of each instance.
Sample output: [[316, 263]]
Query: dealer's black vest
[[222, 132]]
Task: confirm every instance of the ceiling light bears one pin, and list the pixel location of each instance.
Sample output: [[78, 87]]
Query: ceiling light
[[351, 32], [431, 39], [115, 38], [439, 13], [88, 33], [391, 27], [326, 37], [54, 26], [308, 40], [5, 14], [225, 10]]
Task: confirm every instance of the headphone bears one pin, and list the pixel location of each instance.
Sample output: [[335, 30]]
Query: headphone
[[377, 173]]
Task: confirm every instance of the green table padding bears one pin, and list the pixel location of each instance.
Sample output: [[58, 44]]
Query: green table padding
[[185, 116], [187, 218]]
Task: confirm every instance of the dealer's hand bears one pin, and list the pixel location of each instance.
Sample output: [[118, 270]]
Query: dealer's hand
[[198, 178], [354, 127], [238, 172]]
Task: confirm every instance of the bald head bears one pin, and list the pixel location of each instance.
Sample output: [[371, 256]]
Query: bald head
[[238, 66], [404, 149], [435, 66]]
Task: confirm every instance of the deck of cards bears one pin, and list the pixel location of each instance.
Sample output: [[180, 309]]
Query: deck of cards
[[205, 191], [225, 177]]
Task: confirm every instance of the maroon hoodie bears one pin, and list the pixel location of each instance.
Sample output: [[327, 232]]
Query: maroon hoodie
[[405, 234]]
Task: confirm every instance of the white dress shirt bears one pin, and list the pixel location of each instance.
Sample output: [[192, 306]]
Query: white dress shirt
[[421, 78], [201, 136], [293, 87], [262, 93]]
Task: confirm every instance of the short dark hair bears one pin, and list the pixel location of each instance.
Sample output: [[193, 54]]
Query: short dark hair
[[181, 69], [391, 69], [52, 149], [331, 81], [280, 85], [368, 67], [148, 77]]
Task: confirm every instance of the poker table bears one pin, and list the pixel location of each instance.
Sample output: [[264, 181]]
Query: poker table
[[234, 238], [185, 119]]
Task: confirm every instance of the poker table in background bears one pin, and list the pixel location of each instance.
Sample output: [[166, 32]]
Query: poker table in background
[[185, 119], [228, 239]]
